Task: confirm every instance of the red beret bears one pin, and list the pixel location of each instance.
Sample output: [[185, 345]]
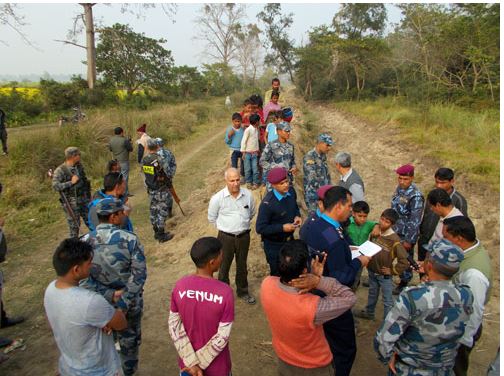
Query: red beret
[[142, 128], [277, 174], [406, 170], [322, 191]]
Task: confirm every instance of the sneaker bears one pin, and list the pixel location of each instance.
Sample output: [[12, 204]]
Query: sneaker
[[249, 299], [363, 314]]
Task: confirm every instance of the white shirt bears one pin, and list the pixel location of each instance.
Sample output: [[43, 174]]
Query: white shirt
[[250, 140], [479, 285], [229, 214], [438, 232]]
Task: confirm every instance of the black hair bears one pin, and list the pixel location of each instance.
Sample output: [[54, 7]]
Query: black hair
[[71, 252], [254, 119], [391, 215], [111, 180], [118, 130], [278, 114], [236, 116], [460, 226], [247, 101], [444, 173], [104, 218], [205, 249], [275, 80], [360, 207], [111, 164], [275, 93], [256, 99], [439, 196], [293, 260], [335, 195]]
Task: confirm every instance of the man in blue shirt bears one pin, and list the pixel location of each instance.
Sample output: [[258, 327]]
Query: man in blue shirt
[[278, 217], [326, 235], [233, 138]]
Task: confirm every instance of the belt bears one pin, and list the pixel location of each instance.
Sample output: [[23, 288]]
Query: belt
[[235, 236]]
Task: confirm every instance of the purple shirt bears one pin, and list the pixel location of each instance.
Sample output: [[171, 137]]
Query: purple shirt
[[202, 304], [270, 106]]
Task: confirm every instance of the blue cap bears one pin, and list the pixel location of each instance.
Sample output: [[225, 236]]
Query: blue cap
[[446, 253], [325, 138], [109, 206]]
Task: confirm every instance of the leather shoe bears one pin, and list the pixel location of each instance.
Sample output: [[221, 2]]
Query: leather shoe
[[11, 321]]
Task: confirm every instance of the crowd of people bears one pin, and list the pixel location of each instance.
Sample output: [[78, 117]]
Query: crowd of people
[[95, 305]]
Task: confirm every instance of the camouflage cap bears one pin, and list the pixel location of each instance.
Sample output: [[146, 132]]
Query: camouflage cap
[[109, 206], [152, 144], [325, 138], [445, 253], [284, 126], [159, 141], [71, 151]]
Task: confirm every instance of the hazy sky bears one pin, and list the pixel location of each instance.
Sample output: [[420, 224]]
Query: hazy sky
[[47, 22]]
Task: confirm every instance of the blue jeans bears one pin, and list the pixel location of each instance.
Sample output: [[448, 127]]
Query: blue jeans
[[375, 282], [125, 173], [251, 170], [235, 157]]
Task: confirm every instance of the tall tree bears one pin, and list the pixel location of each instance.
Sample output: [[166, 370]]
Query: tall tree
[[249, 52], [132, 60], [85, 20], [354, 21], [218, 25], [281, 47]]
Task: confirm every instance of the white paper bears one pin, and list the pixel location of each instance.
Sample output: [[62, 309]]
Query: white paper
[[367, 248]]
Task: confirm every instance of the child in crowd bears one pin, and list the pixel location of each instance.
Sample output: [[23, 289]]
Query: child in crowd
[[382, 267], [113, 166], [271, 129], [81, 320], [233, 138], [246, 112], [250, 152], [360, 228], [257, 106], [202, 314], [287, 114], [272, 105]]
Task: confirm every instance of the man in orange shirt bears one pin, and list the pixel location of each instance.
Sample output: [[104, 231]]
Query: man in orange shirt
[[296, 316]]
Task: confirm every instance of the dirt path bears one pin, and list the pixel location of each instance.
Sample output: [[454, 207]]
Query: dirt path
[[201, 162]]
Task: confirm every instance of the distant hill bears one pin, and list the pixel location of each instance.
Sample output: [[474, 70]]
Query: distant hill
[[33, 77]]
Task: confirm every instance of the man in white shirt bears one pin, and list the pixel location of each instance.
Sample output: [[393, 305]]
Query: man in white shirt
[[476, 272], [442, 205], [350, 179], [81, 320], [231, 210]]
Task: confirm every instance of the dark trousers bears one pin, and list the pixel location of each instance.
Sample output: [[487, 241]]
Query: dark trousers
[[462, 359], [235, 157], [231, 246], [272, 251], [3, 137], [340, 334]]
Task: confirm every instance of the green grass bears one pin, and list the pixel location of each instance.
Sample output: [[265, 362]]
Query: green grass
[[467, 141]]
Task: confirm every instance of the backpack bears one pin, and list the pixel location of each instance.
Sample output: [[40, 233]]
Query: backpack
[[155, 177]]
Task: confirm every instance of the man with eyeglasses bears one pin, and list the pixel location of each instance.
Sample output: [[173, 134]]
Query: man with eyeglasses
[[279, 153]]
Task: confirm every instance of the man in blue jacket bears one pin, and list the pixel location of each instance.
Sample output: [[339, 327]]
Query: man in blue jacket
[[278, 217], [326, 235]]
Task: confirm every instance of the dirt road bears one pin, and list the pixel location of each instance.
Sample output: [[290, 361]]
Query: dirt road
[[202, 159]]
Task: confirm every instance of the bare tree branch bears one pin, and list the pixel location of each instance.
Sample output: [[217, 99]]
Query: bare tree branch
[[70, 42]]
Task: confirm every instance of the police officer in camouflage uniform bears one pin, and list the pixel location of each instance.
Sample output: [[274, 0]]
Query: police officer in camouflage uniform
[[315, 170], [158, 187], [169, 166], [279, 153], [70, 180], [422, 332], [118, 272], [408, 202]]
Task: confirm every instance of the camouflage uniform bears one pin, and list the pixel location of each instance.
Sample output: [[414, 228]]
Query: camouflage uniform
[[427, 322], [170, 167], [78, 195], [408, 203], [315, 175], [277, 154], [119, 264]]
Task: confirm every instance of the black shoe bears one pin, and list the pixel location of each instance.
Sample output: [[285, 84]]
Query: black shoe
[[12, 321], [4, 341], [165, 237]]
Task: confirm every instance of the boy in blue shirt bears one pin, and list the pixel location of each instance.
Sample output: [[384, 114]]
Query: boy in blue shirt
[[271, 133], [233, 138]]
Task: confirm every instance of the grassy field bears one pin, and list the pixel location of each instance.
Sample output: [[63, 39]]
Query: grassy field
[[466, 140]]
